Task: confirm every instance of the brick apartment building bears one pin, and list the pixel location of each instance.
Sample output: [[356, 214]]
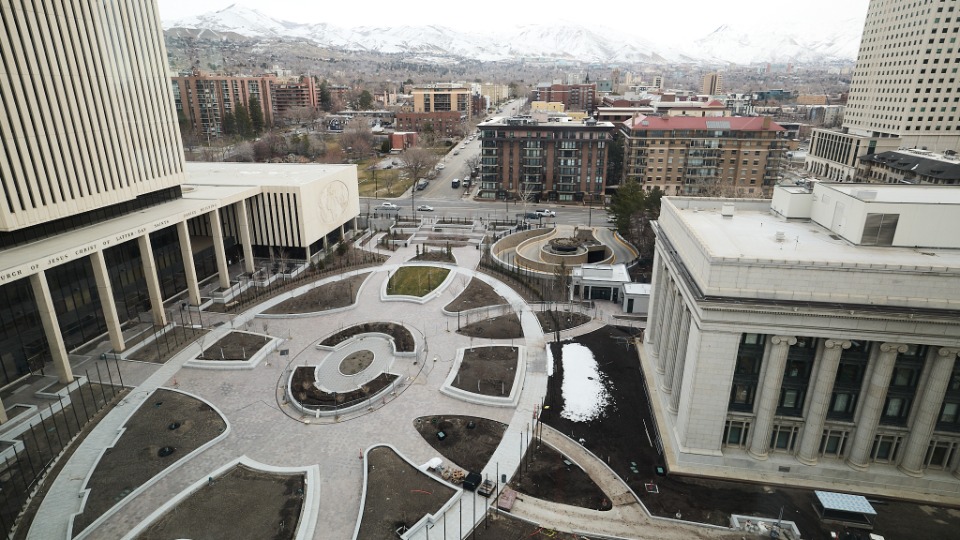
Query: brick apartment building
[[557, 161], [202, 100], [729, 156], [443, 124], [575, 97], [290, 95]]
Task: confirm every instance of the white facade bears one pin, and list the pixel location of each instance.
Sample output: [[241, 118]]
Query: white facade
[[787, 343]]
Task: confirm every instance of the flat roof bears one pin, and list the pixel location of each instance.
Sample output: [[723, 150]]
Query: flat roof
[[845, 503], [751, 234], [900, 193], [637, 288], [259, 174]]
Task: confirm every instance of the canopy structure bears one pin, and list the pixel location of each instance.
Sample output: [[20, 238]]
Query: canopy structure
[[852, 510]]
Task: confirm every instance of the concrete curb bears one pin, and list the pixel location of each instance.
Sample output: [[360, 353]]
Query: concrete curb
[[480, 399], [249, 363]]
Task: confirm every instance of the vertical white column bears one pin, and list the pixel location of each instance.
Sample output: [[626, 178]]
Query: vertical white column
[[872, 405], [679, 363], [653, 335], [243, 223], [820, 400], [670, 359], [153, 281], [668, 304], [51, 327], [219, 250], [941, 368], [769, 395], [105, 291], [189, 269]]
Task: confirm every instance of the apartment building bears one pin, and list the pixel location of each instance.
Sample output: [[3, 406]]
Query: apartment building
[[812, 339], [574, 97], [442, 97], [202, 100], [440, 124], [293, 94], [556, 161], [904, 92], [726, 156], [102, 223], [912, 166], [712, 84]]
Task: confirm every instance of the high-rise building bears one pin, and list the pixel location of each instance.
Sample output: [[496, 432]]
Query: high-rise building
[[442, 98], [203, 100], [712, 84], [904, 90], [103, 227], [575, 97]]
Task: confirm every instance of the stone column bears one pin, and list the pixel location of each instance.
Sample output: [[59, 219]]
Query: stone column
[[655, 302], [3, 413], [219, 250], [666, 382], [668, 302], [679, 363], [153, 281], [51, 327], [769, 395], [820, 400], [107, 304], [871, 406], [929, 410], [243, 223], [189, 269]]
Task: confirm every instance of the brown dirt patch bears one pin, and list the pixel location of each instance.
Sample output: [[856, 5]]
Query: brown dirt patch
[[243, 503], [550, 321], [356, 362], [477, 294], [166, 346], [488, 371], [401, 336], [307, 394], [333, 295], [500, 327], [398, 495], [135, 458], [234, 346], [544, 475], [501, 527], [468, 447], [436, 255]]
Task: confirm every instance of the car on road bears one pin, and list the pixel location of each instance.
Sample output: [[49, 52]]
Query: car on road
[[388, 206], [424, 208], [456, 152], [543, 212], [440, 166], [455, 183]]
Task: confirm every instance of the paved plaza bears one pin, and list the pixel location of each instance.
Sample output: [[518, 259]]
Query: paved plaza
[[267, 429]]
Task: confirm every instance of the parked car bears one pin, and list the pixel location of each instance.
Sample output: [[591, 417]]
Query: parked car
[[440, 166], [456, 152], [543, 212], [388, 206], [424, 208]]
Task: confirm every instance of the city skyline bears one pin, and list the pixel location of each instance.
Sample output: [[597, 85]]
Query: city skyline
[[710, 16]]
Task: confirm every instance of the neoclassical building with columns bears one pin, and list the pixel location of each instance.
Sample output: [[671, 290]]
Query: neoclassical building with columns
[[101, 220], [811, 339]]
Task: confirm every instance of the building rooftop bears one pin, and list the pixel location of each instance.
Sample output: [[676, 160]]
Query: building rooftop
[[637, 288], [258, 174], [753, 233], [901, 193], [725, 123], [919, 162]]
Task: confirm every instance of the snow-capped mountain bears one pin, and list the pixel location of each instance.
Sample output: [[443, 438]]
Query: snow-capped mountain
[[567, 41]]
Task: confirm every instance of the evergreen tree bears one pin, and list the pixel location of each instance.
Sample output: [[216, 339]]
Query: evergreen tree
[[365, 101], [242, 121], [228, 124], [326, 103], [256, 115]]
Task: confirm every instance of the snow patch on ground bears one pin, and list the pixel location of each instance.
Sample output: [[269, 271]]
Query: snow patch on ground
[[585, 397], [549, 361]]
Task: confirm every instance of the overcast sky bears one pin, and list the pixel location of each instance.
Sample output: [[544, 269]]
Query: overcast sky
[[654, 20]]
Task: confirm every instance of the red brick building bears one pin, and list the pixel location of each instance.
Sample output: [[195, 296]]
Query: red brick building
[[443, 124], [575, 97]]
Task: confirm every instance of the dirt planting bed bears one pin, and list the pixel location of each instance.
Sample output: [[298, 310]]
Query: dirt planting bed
[[402, 337], [477, 294], [234, 346], [545, 476], [436, 255], [165, 429], [398, 495], [551, 320], [243, 503], [500, 327], [333, 295], [468, 441], [488, 371], [308, 395]]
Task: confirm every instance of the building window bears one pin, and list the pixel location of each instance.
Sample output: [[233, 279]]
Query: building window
[[796, 377], [746, 374], [783, 438], [940, 454], [833, 442], [846, 387], [886, 448], [903, 385], [879, 229], [736, 433]]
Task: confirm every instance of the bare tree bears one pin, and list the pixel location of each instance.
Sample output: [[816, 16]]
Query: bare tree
[[358, 137], [469, 164], [416, 162], [525, 193], [299, 115]]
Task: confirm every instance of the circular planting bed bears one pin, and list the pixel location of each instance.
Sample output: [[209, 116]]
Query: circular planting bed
[[402, 338], [356, 362], [304, 389], [488, 371]]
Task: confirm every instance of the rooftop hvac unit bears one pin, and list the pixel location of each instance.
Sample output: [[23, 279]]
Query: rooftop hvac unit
[[780, 236], [726, 210]]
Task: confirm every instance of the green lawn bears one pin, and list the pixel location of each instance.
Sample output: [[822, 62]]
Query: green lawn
[[416, 280]]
